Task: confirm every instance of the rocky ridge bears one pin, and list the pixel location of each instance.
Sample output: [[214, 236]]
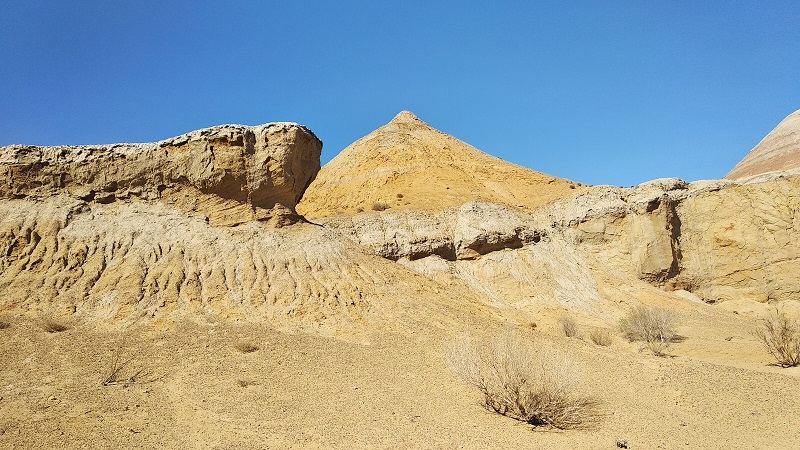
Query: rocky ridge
[[234, 173], [187, 226]]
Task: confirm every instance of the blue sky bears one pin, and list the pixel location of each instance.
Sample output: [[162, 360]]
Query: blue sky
[[601, 92]]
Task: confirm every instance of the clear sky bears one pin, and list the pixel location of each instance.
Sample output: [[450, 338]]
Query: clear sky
[[601, 92]]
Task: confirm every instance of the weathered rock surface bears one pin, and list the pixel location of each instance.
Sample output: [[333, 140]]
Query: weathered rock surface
[[721, 240], [233, 173], [778, 151], [135, 231], [124, 261], [467, 232]]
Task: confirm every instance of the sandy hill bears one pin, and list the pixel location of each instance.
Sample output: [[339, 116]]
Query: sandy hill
[[180, 271], [407, 164], [778, 151]]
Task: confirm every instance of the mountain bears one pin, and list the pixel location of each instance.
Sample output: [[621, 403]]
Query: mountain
[[778, 151], [406, 164]]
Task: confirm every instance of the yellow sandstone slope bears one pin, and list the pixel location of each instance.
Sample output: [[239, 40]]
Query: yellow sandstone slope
[[407, 164]]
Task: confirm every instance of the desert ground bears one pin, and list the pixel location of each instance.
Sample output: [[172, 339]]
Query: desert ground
[[715, 389]]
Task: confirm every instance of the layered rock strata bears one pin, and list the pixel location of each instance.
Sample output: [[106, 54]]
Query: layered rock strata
[[234, 173], [778, 151], [721, 240]]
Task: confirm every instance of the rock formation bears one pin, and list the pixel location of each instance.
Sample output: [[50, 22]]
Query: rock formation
[[778, 151], [234, 173], [409, 225], [721, 240], [187, 227]]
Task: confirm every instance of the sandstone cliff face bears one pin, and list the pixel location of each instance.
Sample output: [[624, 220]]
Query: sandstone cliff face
[[778, 151], [741, 242], [720, 240], [234, 173]]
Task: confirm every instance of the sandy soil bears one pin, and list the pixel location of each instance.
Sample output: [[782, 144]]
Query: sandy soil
[[716, 389]]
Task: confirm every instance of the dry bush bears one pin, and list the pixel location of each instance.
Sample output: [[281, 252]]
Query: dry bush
[[52, 325], [600, 336], [122, 371], [527, 382], [245, 347], [380, 206], [4, 324], [569, 326], [780, 336], [653, 326]]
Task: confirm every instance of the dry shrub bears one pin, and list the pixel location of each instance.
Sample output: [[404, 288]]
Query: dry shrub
[[245, 347], [600, 336], [569, 326], [52, 325], [123, 371], [4, 324], [522, 380], [780, 336], [653, 326], [380, 206]]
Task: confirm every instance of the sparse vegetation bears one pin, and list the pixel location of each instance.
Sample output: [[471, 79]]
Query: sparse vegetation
[[245, 347], [122, 371], [245, 383], [4, 324], [380, 206], [600, 336], [655, 327], [52, 325], [780, 336], [527, 382], [400, 195], [569, 326]]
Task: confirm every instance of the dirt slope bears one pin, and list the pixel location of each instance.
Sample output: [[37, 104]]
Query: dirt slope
[[778, 151], [408, 164]]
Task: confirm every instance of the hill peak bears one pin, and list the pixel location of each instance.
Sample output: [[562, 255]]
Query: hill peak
[[407, 164], [406, 117], [778, 151]]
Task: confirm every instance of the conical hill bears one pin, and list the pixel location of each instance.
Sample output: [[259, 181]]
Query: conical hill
[[408, 164]]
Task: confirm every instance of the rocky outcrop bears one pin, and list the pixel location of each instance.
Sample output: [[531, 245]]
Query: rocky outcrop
[[720, 240], [468, 232], [234, 173], [740, 242], [778, 151]]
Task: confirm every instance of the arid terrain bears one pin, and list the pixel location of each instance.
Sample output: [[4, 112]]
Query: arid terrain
[[222, 290]]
